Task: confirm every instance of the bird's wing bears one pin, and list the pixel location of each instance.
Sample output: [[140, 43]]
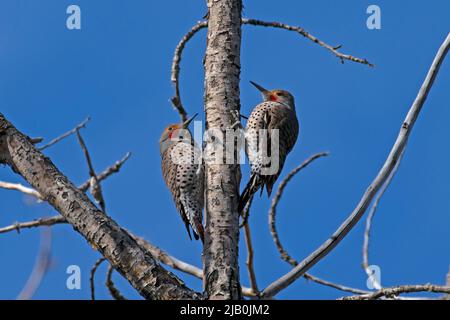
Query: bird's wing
[[189, 182]]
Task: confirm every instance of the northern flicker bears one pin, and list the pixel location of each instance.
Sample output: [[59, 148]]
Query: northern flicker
[[277, 111], [183, 174]]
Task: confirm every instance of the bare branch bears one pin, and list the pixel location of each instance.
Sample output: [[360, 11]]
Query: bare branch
[[50, 221], [249, 262], [309, 36], [40, 267], [272, 215], [272, 211], [246, 212], [65, 135], [21, 188], [334, 285], [175, 74], [84, 187], [369, 220], [92, 275], [374, 187], [135, 264], [169, 260], [115, 293], [96, 188], [106, 173], [395, 291]]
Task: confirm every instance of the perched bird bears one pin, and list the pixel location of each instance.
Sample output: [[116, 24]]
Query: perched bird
[[183, 174], [276, 112]]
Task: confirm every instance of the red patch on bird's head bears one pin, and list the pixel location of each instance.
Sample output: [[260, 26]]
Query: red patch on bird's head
[[171, 129], [273, 97]]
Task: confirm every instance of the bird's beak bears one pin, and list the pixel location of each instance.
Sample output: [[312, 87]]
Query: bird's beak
[[185, 124], [264, 91]]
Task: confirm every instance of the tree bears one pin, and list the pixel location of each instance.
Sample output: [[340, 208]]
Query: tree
[[139, 261]]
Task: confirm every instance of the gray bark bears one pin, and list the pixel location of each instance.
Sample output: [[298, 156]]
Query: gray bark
[[136, 264], [222, 70]]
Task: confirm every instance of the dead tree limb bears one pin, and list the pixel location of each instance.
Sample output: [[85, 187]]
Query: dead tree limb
[[273, 230], [395, 291], [159, 254], [92, 274], [50, 221], [65, 135], [106, 173], [133, 262], [21, 188], [333, 49], [370, 215], [276, 199], [113, 291], [249, 262], [84, 187], [96, 188], [394, 155]]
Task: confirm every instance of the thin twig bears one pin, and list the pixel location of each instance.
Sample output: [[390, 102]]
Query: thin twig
[[371, 214], [246, 212], [68, 133], [373, 188], [334, 285], [41, 266], [283, 253], [50, 221], [272, 211], [394, 291], [92, 276], [249, 262], [175, 70], [115, 293], [96, 188], [106, 173], [175, 74], [83, 187], [303, 32]]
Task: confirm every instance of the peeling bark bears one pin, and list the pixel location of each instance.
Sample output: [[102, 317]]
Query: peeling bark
[[142, 271], [222, 71]]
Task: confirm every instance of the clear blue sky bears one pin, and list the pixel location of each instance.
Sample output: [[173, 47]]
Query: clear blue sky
[[117, 70]]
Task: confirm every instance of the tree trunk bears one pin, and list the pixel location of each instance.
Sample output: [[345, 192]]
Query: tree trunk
[[222, 70]]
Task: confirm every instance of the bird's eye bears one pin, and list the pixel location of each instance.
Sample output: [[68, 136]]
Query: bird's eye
[[170, 128], [279, 93]]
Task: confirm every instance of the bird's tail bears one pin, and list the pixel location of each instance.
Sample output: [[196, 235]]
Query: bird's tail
[[250, 189], [199, 232]]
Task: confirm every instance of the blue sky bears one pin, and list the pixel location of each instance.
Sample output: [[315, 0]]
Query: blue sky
[[117, 70]]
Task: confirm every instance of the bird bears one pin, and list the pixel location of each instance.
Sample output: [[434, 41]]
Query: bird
[[277, 111], [184, 175]]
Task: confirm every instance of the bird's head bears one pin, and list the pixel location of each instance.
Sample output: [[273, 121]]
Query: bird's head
[[277, 95], [175, 132]]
